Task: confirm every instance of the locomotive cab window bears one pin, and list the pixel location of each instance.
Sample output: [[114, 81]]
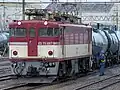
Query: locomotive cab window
[[18, 32], [32, 32], [49, 32]]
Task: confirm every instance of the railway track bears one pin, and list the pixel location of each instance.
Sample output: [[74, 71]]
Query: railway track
[[8, 77], [24, 86], [32, 86], [39, 85], [74, 84], [109, 85], [101, 84], [14, 86], [10, 82], [5, 67]]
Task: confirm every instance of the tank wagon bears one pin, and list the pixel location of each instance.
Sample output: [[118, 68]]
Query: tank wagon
[[59, 46], [4, 36], [108, 40]]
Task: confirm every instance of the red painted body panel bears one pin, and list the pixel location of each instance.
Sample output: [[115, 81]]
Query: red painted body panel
[[32, 47], [18, 39], [48, 39], [32, 40], [37, 24]]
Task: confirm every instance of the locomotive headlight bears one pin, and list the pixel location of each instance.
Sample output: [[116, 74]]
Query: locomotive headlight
[[15, 53], [19, 23], [50, 52], [45, 23]]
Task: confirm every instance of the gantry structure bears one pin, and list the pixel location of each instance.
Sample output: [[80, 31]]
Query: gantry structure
[[103, 12], [90, 12]]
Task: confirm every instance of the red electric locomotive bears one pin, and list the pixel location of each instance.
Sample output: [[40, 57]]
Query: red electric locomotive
[[56, 46]]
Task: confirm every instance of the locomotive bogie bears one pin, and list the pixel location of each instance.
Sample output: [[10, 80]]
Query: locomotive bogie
[[41, 68], [35, 68]]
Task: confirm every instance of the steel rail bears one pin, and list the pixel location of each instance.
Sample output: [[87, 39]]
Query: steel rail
[[85, 86], [111, 84]]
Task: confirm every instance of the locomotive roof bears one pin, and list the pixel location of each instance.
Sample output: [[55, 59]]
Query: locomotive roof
[[33, 21], [50, 22], [75, 25]]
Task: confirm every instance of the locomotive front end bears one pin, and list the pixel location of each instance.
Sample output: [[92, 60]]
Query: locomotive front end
[[34, 47]]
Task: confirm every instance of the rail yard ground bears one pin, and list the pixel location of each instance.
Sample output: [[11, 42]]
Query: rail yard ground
[[93, 79]]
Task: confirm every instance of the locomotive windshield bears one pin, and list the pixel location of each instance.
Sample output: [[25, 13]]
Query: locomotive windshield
[[18, 32], [49, 32]]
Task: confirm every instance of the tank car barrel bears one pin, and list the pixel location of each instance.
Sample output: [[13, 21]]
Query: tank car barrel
[[100, 41], [105, 39], [3, 40]]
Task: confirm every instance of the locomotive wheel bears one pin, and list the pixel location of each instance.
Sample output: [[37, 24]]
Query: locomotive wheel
[[60, 71], [64, 68]]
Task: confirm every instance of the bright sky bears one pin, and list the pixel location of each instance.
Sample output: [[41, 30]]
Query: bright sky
[[59, 0]]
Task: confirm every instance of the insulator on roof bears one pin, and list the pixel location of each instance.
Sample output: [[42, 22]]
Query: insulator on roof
[[41, 14]]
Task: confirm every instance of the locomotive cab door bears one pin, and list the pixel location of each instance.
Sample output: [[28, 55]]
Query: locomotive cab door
[[32, 42], [61, 40]]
